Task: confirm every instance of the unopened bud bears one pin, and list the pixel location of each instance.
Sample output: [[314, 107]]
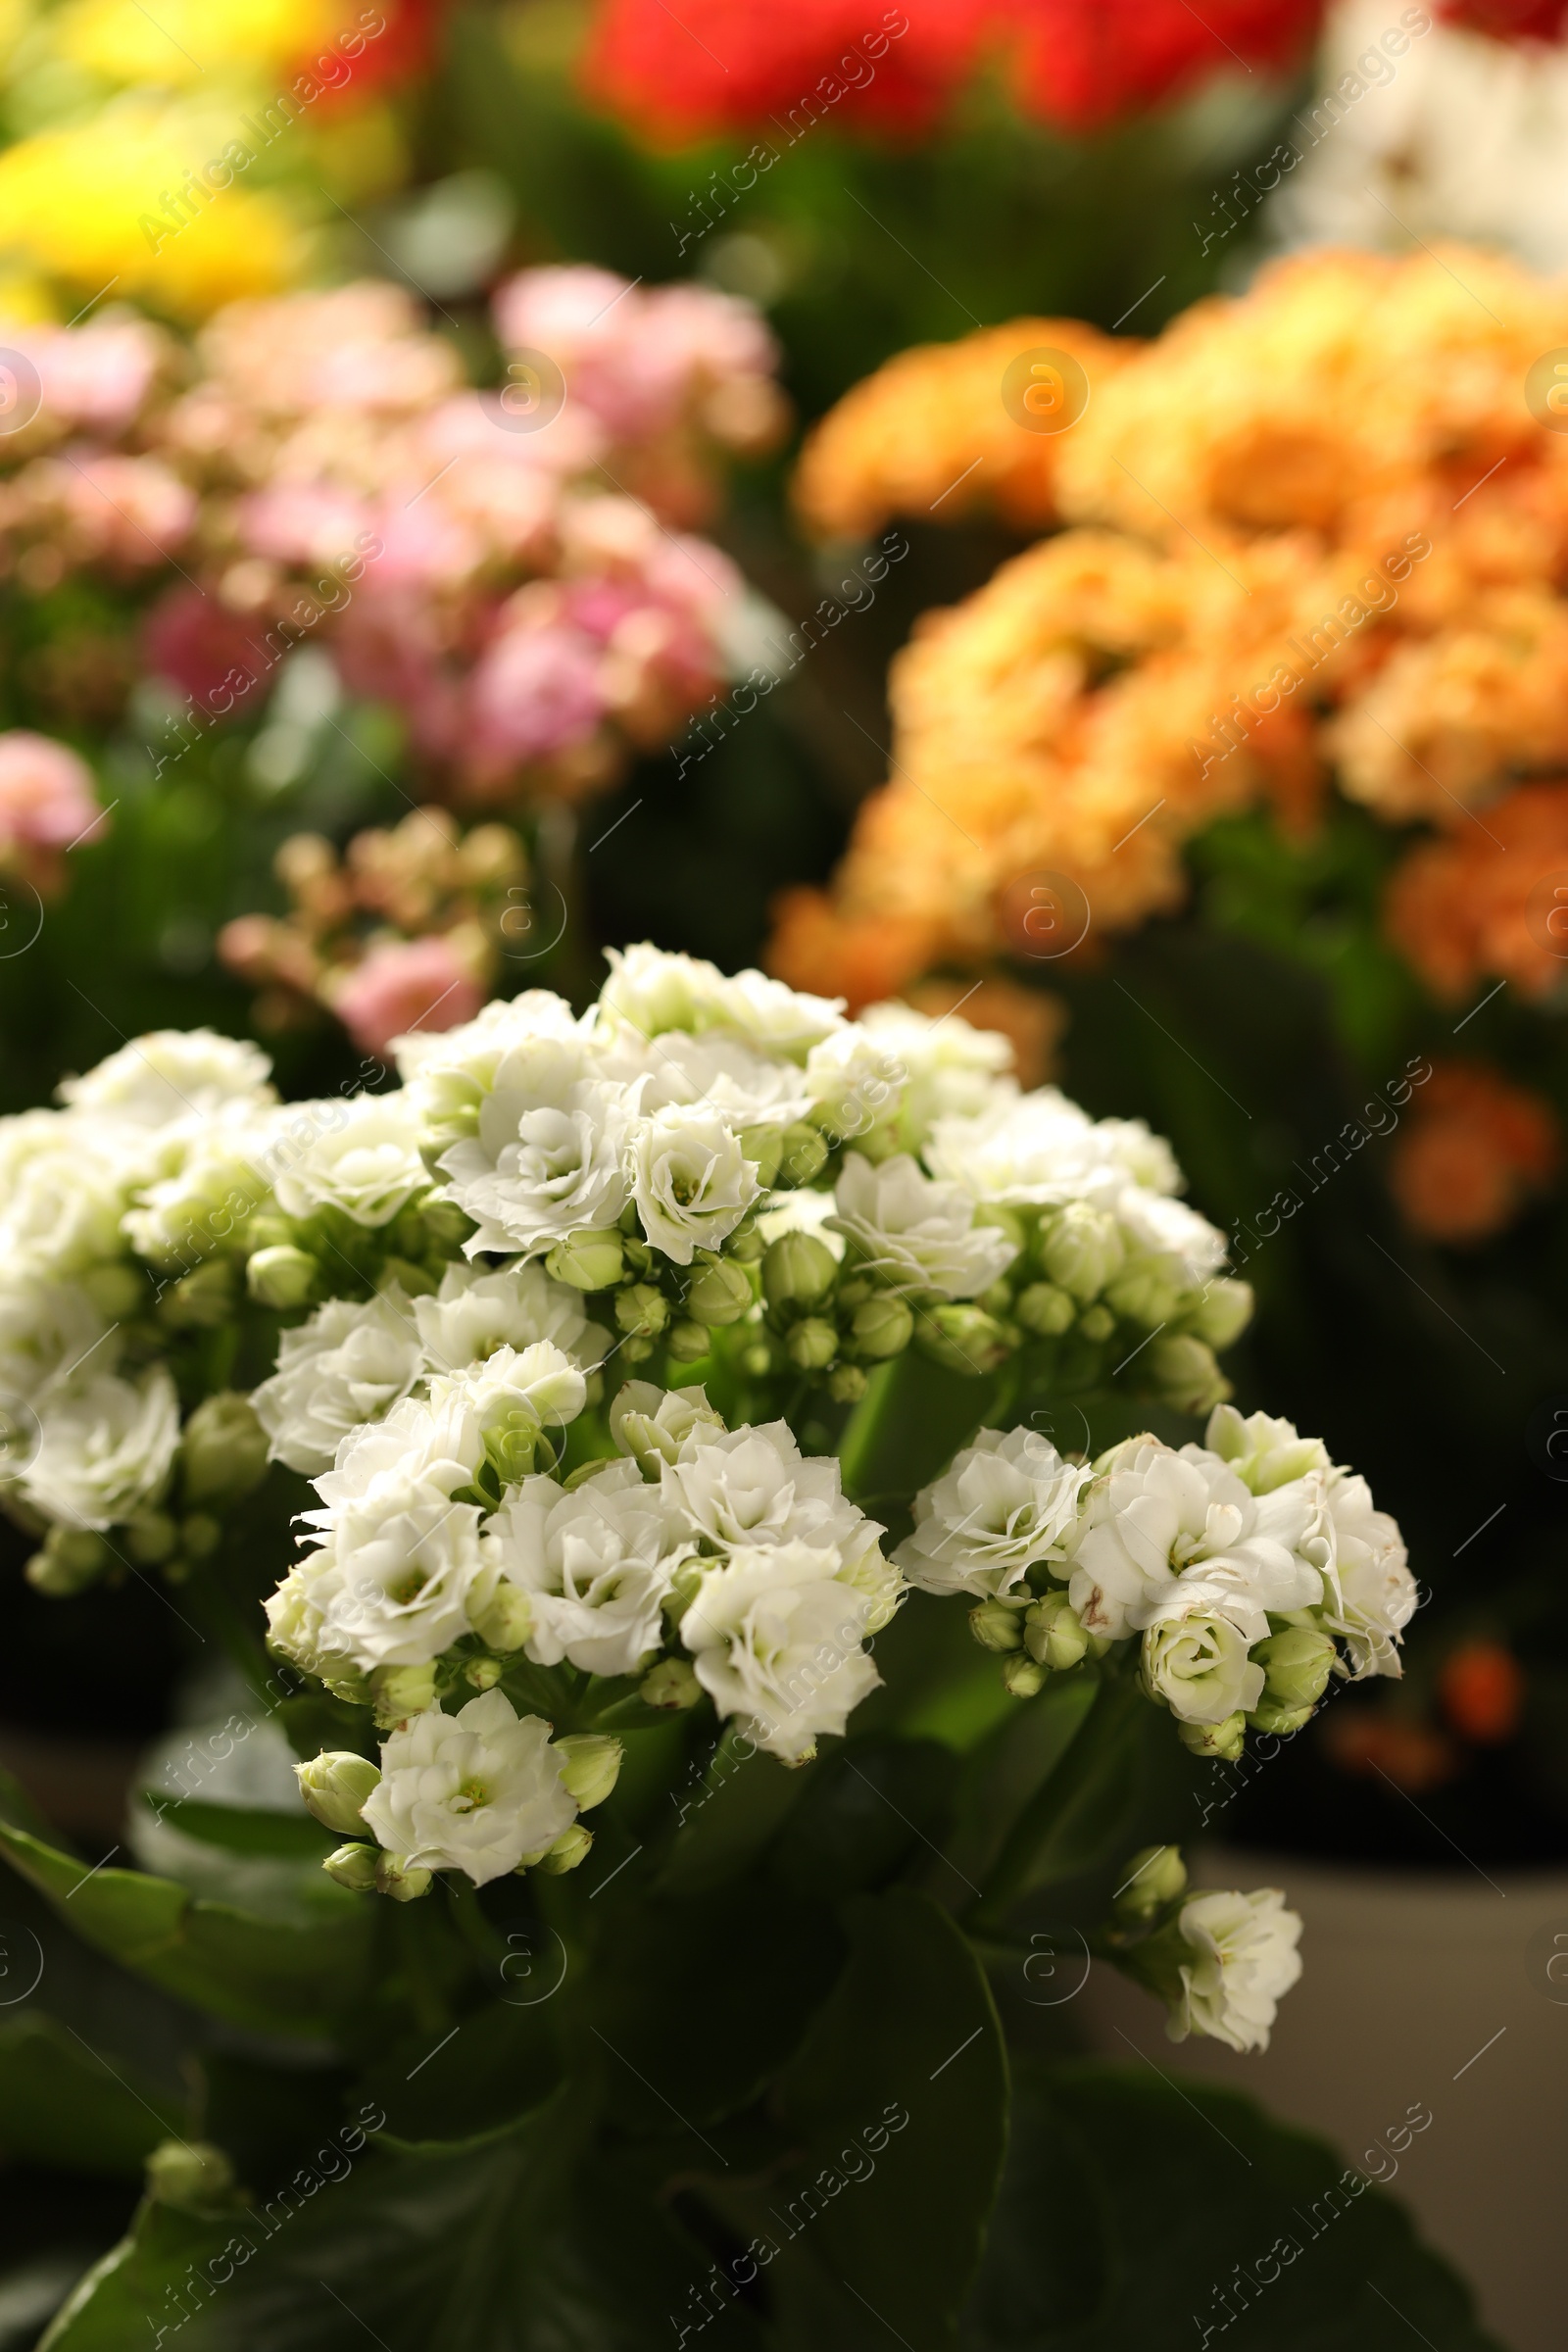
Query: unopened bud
[[335, 1785], [588, 1261], [71, 1559], [641, 1310], [670, 1684], [846, 1383], [397, 1691], [505, 1619], [1269, 1715], [804, 1154], [353, 1867], [222, 1453], [1081, 1249], [404, 1880], [1151, 1879], [1224, 1741], [283, 1277], [150, 1538], [687, 1343], [1297, 1664], [1046, 1310], [483, 1674], [194, 2177], [572, 1849], [811, 1345], [1185, 1374], [200, 1535], [513, 1443], [117, 1292], [1053, 1634], [997, 1625], [1022, 1677], [1143, 1295], [411, 1279], [1096, 1322], [590, 1766], [202, 1301], [963, 1339], [445, 1222], [1224, 1312], [883, 1327], [719, 1293], [763, 1147], [798, 1270]]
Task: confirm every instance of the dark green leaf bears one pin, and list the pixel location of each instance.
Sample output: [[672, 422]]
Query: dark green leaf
[[246, 1829], [62, 2104], [727, 1815], [872, 1808]]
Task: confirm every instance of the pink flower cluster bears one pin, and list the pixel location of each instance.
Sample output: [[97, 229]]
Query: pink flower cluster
[[47, 803], [515, 569]]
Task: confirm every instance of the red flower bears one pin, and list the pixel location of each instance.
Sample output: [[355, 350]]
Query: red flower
[[1086, 62], [1509, 20]]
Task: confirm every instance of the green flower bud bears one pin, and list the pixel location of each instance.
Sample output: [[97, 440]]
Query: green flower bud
[[1053, 1634], [151, 1537], [963, 1339], [1143, 1295], [591, 1766], [283, 1277], [353, 1867], [719, 1293], [670, 1684], [71, 1559], [636, 1350], [804, 1154], [1151, 1878], [117, 1292], [200, 1535], [334, 1785], [1224, 1741], [812, 1344], [688, 1343], [997, 1300], [1222, 1317], [764, 1148], [1097, 1323], [404, 1880], [408, 1277], [350, 1684], [445, 1222], [515, 1444], [1081, 1249], [193, 2178], [798, 1270], [570, 1849], [641, 1310], [746, 1244], [268, 1229], [588, 1261], [483, 1674], [202, 1301], [1043, 1310], [397, 1691], [222, 1453], [756, 1361], [1270, 1715], [1022, 1677], [846, 1383], [1297, 1664], [997, 1625], [506, 1620], [1185, 1374], [881, 1328]]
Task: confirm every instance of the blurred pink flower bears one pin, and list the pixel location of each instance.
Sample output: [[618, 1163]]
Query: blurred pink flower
[[196, 643], [404, 985], [46, 794], [130, 511], [303, 522], [98, 376]]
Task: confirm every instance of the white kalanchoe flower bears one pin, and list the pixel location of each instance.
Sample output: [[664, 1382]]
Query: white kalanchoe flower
[[775, 1638], [441, 1446], [448, 1074], [203, 1178], [363, 1161], [916, 1236], [406, 1559], [1184, 1245], [171, 1074], [475, 1311], [548, 1159], [1199, 1665], [1264, 1453], [104, 1449], [540, 1383], [349, 1365], [1153, 1516], [595, 1563], [754, 1486], [64, 1184], [48, 1332], [804, 1211], [653, 1424], [650, 992], [473, 1791], [1003, 1505], [1372, 1594], [1244, 1962], [951, 1070], [296, 1615], [692, 1181], [856, 1083], [720, 1073]]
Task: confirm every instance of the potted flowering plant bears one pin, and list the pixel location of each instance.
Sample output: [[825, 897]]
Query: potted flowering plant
[[702, 1675]]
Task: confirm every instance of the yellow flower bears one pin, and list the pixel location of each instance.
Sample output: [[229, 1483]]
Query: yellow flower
[[182, 40]]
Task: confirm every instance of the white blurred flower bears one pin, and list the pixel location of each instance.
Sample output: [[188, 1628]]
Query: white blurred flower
[[855, 1082], [804, 1211], [296, 1615], [1372, 1594], [916, 1235], [776, 1641], [1003, 1505], [952, 1070], [476, 1311], [651, 992], [692, 1181], [105, 1450], [171, 1074], [350, 1363], [595, 1563], [1199, 1666], [1187, 1246], [450, 1073], [473, 1791], [62, 1187], [364, 1159], [718, 1072], [546, 1161], [1244, 1962], [47, 1329], [1264, 1452]]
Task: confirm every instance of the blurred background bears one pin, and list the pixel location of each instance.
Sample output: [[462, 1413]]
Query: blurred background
[[475, 482]]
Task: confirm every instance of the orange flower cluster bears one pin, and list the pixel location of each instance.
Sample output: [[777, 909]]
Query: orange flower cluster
[[1475, 1150], [1315, 531]]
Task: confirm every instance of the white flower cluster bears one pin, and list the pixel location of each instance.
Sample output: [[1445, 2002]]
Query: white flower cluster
[[1251, 1567]]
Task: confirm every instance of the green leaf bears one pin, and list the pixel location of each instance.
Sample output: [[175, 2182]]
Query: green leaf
[[245, 1829], [260, 1973], [728, 1815], [1136, 2215], [872, 1807], [897, 2106], [63, 2105], [477, 2081], [1079, 1810]]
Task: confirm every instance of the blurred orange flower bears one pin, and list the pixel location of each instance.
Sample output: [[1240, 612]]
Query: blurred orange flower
[[1474, 1151]]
